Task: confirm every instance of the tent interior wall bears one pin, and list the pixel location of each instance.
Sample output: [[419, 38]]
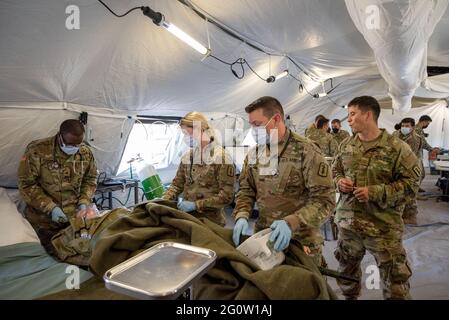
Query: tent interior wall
[[115, 68], [62, 58]]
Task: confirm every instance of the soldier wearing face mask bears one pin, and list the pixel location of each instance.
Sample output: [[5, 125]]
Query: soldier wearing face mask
[[337, 132], [423, 123], [408, 134], [289, 179], [206, 174], [57, 177]]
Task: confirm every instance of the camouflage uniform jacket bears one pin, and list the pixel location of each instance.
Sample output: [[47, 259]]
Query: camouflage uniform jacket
[[340, 136], [310, 130], [208, 181], [391, 172], [414, 140], [49, 178], [325, 141], [300, 191], [425, 145]]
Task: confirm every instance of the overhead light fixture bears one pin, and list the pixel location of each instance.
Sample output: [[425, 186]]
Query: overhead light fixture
[[281, 75], [159, 19], [320, 95]]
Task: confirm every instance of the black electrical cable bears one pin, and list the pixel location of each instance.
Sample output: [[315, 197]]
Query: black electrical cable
[[246, 62], [235, 36], [222, 61], [327, 96], [303, 86], [121, 15], [239, 61], [99, 180]]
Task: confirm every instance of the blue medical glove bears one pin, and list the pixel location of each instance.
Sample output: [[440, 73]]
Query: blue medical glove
[[241, 226], [58, 216], [281, 235], [81, 207], [186, 206]]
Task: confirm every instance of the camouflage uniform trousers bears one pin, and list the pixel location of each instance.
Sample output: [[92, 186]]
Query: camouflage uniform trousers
[[45, 228], [390, 257]]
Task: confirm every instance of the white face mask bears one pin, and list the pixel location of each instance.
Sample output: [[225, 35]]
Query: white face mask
[[190, 142], [405, 131], [260, 134], [68, 150]]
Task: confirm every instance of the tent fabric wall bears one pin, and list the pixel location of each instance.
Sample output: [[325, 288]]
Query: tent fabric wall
[[129, 66], [20, 126], [399, 41]]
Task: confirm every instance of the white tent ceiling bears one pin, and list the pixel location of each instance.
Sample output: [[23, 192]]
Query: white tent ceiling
[[128, 66]]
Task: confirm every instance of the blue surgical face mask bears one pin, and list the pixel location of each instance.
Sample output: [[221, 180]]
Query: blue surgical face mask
[[190, 142], [260, 134], [69, 150], [405, 131]]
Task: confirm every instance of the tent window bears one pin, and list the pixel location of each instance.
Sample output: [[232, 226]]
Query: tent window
[[151, 140]]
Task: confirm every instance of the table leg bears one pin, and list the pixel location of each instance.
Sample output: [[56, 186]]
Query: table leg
[[136, 192], [110, 200]]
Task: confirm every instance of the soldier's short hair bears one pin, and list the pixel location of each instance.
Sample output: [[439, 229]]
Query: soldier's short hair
[[318, 117], [397, 126], [73, 126], [408, 120], [366, 103], [425, 118], [336, 121], [321, 123], [269, 105]]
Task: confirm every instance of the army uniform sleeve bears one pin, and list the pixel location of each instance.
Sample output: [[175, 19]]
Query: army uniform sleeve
[[426, 146], [30, 190], [321, 196], [337, 166], [246, 197], [177, 185], [407, 173], [333, 147], [226, 179], [89, 184]]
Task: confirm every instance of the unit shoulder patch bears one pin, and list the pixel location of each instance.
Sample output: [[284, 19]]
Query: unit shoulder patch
[[417, 171], [230, 171], [323, 169]]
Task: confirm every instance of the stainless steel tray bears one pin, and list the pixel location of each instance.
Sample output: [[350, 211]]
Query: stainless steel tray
[[164, 271]]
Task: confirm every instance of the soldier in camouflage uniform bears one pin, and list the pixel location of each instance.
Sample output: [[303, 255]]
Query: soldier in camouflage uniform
[[337, 132], [295, 195], [377, 174], [312, 128], [206, 174], [323, 139], [423, 123], [409, 136], [56, 175]]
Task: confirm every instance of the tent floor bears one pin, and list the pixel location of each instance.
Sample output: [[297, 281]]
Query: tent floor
[[427, 247]]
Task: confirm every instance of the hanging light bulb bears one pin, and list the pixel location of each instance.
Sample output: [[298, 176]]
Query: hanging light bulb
[[159, 19], [281, 75]]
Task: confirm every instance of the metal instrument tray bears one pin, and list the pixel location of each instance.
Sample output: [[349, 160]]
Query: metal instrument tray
[[164, 271]]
